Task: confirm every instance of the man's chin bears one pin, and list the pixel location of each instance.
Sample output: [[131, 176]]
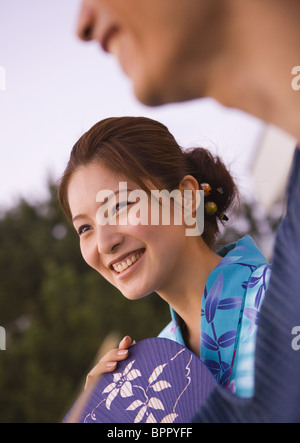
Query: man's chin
[[164, 92], [150, 97], [153, 96]]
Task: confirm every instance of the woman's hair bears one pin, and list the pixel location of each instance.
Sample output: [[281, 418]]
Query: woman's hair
[[141, 149]]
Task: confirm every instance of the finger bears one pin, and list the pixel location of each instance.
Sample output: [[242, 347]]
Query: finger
[[126, 343], [115, 355], [107, 364], [104, 367], [101, 368]]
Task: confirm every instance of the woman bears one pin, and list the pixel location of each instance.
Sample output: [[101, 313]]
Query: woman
[[214, 297]]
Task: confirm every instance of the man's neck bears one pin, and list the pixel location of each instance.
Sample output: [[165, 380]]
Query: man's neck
[[255, 75]]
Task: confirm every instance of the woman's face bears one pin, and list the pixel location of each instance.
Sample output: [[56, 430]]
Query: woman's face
[[138, 259]]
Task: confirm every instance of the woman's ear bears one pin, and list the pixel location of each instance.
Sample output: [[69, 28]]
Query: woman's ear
[[189, 183]]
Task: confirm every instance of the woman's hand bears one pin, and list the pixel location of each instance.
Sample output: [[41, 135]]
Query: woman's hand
[[109, 362]]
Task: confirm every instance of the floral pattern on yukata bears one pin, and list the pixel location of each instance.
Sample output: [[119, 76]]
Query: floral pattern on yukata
[[229, 315], [161, 382]]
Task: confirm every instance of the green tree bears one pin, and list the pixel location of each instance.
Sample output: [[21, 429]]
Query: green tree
[[56, 311]]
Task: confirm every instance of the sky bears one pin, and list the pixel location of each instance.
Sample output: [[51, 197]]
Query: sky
[[57, 87]]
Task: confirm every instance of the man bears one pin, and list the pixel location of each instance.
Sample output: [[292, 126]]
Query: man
[[244, 54], [241, 53]]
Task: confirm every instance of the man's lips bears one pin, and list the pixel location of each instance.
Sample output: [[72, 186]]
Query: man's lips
[[108, 35]]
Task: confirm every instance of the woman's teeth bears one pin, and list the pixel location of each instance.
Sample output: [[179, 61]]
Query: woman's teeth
[[120, 267]]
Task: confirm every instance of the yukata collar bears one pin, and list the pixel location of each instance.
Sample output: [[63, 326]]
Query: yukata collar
[[245, 251]]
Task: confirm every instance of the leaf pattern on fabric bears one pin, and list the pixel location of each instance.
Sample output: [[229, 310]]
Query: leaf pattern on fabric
[[227, 339], [208, 342], [156, 373], [213, 366], [229, 315], [230, 303], [146, 406], [121, 384], [252, 314], [219, 342], [213, 299]]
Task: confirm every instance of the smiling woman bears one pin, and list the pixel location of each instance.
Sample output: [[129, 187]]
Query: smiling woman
[[214, 297]]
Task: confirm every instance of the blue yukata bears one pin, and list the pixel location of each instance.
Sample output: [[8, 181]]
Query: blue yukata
[[229, 314]]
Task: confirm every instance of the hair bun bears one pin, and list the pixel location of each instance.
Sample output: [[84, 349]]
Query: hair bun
[[209, 169]]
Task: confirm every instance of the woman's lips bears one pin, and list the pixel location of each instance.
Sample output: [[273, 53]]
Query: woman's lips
[[128, 261]]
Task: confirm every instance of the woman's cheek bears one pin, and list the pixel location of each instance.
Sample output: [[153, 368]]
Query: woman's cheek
[[87, 253]]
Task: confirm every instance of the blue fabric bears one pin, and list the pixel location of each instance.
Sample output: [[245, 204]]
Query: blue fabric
[[229, 311], [277, 364]]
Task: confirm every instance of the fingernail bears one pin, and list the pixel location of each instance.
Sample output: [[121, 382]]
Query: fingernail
[[123, 352], [124, 339], [110, 364]]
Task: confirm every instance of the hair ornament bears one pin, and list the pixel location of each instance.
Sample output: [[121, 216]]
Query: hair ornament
[[206, 188], [210, 206], [223, 217]]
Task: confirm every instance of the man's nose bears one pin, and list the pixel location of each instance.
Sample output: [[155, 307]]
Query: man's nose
[[86, 21]]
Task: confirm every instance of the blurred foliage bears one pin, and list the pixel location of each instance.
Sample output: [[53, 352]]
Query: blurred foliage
[[57, 311]]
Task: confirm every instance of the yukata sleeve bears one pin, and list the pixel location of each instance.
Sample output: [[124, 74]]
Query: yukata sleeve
[[276, 396], [244, 365]]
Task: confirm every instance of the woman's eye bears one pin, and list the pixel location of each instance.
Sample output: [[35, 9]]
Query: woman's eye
[[83, 229], [120, 205]]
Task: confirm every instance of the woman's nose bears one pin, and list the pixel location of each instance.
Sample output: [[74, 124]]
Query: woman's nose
[[108, 239], [86, 21]]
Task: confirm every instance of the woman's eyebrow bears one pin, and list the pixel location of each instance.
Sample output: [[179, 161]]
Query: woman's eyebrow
[[78, 217], [84, 216]]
